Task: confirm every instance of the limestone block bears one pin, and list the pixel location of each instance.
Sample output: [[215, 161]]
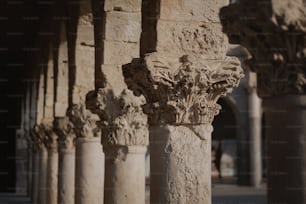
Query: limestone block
[[191, 10], [191, 38], [123, 5], [123, 26], [120, 53], [114, 78]]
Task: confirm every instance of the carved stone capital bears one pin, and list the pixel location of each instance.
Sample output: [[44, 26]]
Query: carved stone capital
[[65, 130], [123, 122], [39, 137], [182, 90], [274, 34], [84, 121], [51, 137]]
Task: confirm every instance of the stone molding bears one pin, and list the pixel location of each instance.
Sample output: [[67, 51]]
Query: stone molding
[[65, 130], [84, 122], [182, 90], [123, 123], [274, 34]]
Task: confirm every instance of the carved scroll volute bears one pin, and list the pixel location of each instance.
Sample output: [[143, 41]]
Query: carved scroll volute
[[65, 129], [84, 122], [123, 122], [182, 90]]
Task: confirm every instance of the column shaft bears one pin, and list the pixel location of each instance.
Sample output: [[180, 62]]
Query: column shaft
[[66, 178], [89, 171], [125, 175], [255, 138], [35, 176], [286, 136], [43, 160], [180, 172], [52, 177]]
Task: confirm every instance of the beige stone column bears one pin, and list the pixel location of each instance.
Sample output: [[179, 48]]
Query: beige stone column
[[51, 143], [181, 103], [66, 171], [255, 112], [125, 138], [124, 129], [274, 34], [43, 161], [182, 81], [89, 174], [35, 166]]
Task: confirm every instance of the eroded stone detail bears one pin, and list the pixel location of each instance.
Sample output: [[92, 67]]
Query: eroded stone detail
[[39, 136], [182, 90], [65, 129], [123, 122], [275, 36], [84, 121], [51, 138]]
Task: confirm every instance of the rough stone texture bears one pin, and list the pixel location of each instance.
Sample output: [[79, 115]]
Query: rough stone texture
[[124, 27], [125, 174], [275, 36], [89, 175], [192, 10], [43, 161], [182, 90], [182, 81], [125, 52], [35, 164], [123, 122], [89, 164], [85, 57], [123, 5], [191, 38], [180, 172], [66, 171], [51, 142]]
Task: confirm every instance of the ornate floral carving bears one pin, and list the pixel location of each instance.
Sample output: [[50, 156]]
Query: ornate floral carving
[[182, 90], [275, 36], [51, 138], [65, 129], [39, 137], [84, 121], [123, 122]]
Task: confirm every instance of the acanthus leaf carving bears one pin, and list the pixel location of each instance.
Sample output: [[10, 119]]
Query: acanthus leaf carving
[[84, 121], [65, 129], [182, 90], [51, 137], [123, 122]]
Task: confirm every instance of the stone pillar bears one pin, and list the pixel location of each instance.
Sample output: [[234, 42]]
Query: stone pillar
[[125, 139], [182, 81], [66, 171], [123, 124], [255, 131], [43, 160], [89, 174], [52, 164], [35, 166], [279, 61], [181, 99]]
